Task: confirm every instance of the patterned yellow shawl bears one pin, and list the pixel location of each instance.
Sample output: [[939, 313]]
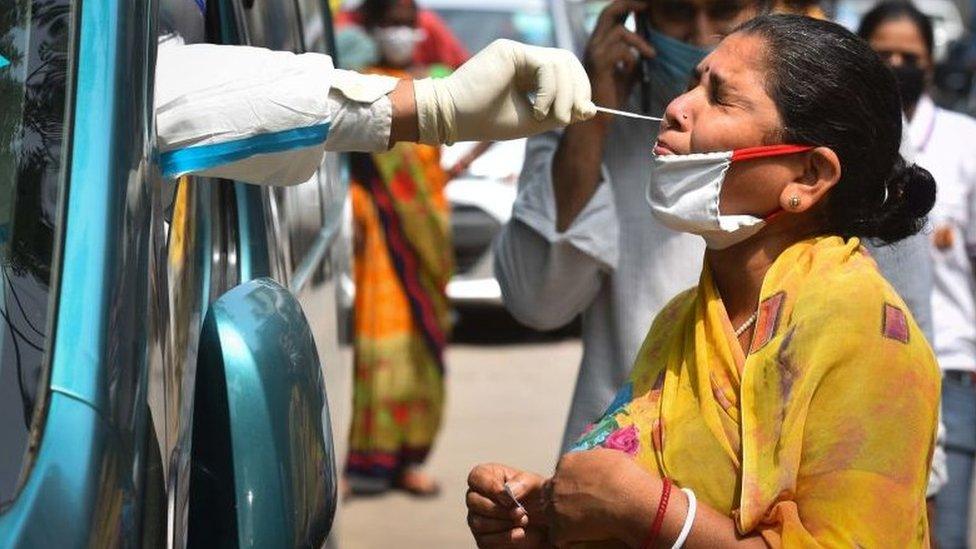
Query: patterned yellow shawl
[[822, 435]]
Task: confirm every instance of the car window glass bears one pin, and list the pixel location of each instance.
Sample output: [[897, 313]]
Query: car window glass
[[315, 25], [273, 24], [294, 213], [34, 42]]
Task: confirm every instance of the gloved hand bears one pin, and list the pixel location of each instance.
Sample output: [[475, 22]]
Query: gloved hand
[[487, 99]]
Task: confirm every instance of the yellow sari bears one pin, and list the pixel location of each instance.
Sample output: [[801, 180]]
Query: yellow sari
[[822, 435]]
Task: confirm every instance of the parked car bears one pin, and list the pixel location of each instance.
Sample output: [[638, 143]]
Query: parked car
[[481, 196], [167, 345]]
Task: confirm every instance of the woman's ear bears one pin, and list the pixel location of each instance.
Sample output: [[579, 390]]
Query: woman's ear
[[820, 172]]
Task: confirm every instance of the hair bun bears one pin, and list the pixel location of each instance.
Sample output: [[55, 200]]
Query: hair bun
[[910, 195]]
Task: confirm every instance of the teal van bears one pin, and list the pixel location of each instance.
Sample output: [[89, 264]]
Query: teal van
[[166, 346]]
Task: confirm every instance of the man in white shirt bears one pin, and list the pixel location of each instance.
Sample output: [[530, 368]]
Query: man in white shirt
[[582, 239]]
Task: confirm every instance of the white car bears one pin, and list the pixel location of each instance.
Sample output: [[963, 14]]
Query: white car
[[481, 197]]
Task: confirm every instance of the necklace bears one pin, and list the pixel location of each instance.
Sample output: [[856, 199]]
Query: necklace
[[745, 326]]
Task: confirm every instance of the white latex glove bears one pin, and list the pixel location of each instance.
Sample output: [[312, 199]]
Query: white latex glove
[[487, 99]]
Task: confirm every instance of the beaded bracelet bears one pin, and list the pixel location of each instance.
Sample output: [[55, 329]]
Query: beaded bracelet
[[662, 508]]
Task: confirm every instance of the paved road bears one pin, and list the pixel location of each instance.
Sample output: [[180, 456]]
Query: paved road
[[507, 403]]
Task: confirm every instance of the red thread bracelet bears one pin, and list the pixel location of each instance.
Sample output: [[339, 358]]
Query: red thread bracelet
[[662, 508]]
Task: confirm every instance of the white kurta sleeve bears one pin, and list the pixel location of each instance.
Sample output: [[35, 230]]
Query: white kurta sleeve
[[548, 277], [262, 116]]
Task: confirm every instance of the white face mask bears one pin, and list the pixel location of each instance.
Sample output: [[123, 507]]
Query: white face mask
[[684, 192], [397, 44]]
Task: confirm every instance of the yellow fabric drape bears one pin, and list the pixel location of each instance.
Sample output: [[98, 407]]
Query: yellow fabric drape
[[822, 435]]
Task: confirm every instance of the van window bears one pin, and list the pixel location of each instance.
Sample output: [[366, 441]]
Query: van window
[[273, 25], [34, 45]]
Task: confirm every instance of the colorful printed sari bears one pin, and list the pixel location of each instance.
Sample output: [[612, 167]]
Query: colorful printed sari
[[821, 435], [402, 264]]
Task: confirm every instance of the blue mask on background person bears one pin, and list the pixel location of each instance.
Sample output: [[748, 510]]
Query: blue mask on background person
[[673, 66]]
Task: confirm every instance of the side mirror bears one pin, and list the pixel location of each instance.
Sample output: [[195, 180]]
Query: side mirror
[[263, 462]]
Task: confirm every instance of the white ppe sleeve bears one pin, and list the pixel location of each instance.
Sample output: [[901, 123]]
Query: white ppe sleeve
[[261, 116], [548, 277]]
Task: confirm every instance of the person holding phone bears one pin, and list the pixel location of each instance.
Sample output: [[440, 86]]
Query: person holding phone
[[581, 240]]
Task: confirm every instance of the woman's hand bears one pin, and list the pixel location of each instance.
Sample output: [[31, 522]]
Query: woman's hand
[[495, 520], [594, 496]]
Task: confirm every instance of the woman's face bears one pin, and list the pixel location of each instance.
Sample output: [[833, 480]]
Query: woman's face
[[899, 42], [727, 107]]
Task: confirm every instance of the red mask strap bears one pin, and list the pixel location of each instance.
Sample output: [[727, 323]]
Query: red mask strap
[[765, 151], [774, 214]]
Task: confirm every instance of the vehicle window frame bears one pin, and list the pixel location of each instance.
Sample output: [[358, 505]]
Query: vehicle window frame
[[53, 295]]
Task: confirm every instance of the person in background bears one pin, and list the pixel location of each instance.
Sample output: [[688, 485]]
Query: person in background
[[581, 240], [943, 142], [355, 49], [437, 44], [402, 263], [440, 45]]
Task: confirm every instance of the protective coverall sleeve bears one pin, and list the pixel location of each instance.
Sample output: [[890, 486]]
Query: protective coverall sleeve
[[548, 277], [262, 116]]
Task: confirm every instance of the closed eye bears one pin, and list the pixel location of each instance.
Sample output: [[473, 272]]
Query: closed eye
[[717, 89]]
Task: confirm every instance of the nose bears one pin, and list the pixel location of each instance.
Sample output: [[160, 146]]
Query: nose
[[677, 116], [896, 59]]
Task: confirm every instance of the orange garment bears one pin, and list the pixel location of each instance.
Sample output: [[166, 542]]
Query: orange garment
[[402, 263]]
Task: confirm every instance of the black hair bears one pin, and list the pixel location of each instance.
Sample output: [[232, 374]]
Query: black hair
[[832, 90], [373, 11], [891, 10]]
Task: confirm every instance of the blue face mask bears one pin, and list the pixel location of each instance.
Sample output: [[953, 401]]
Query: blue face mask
[[675, 63]]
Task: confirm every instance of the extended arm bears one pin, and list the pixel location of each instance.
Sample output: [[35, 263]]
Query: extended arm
[[267, 117]]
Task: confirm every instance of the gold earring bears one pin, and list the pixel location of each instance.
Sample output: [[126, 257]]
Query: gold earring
[[794, 202]]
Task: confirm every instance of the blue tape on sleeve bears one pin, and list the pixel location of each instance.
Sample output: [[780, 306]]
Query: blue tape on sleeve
[[205, 157]]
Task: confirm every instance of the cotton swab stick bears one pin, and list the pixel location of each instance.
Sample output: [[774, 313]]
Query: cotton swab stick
[[511, 494], [627, 114]]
